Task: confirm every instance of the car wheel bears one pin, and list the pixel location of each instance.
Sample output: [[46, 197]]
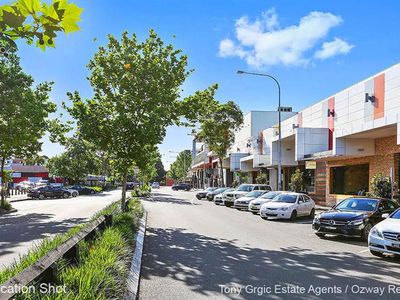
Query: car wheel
[[293, 216], [366, 231], [320, 235], [65, 195], [228, 204], [312, 213], [376, 253], [264, 218], [254, 213], [92, 192], [41, 197]]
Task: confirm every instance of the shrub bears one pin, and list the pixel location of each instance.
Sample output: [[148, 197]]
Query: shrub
[[297, 181], [262, 178], [381, 186], [6, 206]]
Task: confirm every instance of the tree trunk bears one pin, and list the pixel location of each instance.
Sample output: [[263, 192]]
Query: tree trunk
[[221, 172], [3, 197], [123, 198]]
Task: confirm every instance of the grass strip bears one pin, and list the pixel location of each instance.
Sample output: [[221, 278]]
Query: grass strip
[[47, 245]]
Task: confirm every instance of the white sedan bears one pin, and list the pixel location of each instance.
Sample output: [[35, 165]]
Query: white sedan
[[255, 205], [288, 206], [385, 236], [243, 202]]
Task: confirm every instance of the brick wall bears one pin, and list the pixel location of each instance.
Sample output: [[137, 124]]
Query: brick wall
[[381, 162]]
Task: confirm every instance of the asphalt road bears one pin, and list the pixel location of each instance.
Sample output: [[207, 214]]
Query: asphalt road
[[37, 219], [196, 250]]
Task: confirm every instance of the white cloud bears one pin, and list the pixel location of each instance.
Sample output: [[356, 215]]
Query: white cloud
[[264, 43], [333, 48]]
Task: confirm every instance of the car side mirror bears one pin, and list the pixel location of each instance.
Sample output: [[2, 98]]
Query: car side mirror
[[385, 216]]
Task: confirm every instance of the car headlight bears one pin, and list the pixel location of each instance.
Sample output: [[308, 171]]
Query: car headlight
[[356, 222], [376, 233], [283, 208], [317, 220]]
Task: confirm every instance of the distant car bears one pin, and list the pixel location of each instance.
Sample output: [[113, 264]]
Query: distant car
[[353, 216], [220, 198], [203, 194], [83, 190], [44, 192], [242, 190], [212, 194], [181, 187], [385, 236], [255, 205], [24, 185], [243, 202], [155, 185], [288, 205], [74, 193]]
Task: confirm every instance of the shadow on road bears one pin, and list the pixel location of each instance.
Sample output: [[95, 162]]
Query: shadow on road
[[203, 263], [16, 229], [168, 198]]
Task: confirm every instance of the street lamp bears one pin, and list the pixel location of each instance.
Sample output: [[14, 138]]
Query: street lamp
[[279, 122]]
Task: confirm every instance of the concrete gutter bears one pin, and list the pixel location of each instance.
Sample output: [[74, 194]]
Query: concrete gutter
[[133, 280]]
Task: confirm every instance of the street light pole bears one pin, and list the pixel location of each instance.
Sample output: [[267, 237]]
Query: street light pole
[[279, 123]]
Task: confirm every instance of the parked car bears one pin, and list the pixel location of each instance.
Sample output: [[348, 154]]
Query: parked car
[[155, 185], [24, 185], [74, 193], [212, 194], [288, 205], [220, 198], [353, 216], [385, 236], [254, 205], [243, 202], [203, 194], [83, 190], [181, 186], [48, 192], [242, 190]]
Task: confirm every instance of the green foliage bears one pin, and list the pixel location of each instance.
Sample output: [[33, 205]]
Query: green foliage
[[24, 113], [262, 178], [48, 244], [219, 124], [380, 186], [296, 183], [79, 160], [160, 176], [37, 21], [136, 97], [178, 169], [141, 191]]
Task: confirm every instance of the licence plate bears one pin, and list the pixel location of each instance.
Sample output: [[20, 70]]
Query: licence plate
[[396, 245], [330, 228]]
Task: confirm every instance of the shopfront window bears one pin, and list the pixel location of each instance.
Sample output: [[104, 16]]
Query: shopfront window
[[349, 180]]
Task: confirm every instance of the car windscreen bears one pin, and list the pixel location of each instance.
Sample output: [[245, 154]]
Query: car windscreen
[[245, 188], [217, 191], [396, 214], [285, 198], [358, 204], [255, 194], [270, 195]]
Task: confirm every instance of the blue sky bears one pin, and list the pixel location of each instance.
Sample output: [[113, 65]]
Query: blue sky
[[315, 48]]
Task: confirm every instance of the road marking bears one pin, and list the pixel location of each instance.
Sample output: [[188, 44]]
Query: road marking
[[363, 251]]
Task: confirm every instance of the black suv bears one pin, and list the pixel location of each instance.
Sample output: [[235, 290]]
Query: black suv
[[181, 186], [353, 216], [48, 192]]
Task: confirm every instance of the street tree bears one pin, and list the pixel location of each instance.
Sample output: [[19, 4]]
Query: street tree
[[24, 114], [218, 127], [76, 162], [37, 21], [179, 168], [137, 89]]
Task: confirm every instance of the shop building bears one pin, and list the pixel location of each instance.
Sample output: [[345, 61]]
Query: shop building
[[344, 140]]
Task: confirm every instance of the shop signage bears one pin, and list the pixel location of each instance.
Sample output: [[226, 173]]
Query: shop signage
[[311, 164]]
